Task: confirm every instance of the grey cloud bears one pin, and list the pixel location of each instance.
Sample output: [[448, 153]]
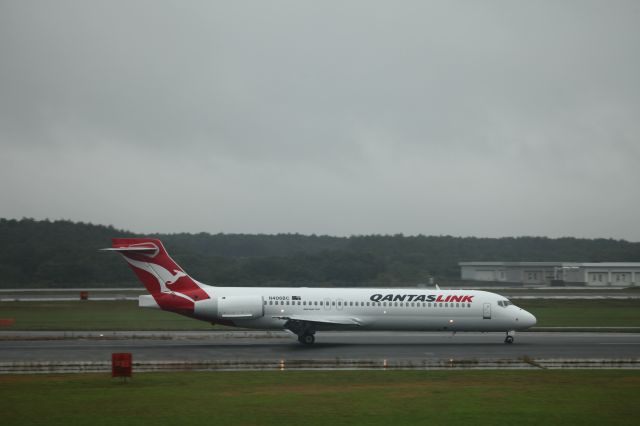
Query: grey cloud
[[490, 118]]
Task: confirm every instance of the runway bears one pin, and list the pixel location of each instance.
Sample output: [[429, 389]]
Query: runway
[[277, 346]]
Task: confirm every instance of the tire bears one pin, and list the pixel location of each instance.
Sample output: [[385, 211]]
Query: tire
[[307, 339], [509, 340]]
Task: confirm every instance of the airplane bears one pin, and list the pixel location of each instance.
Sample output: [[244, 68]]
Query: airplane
[[303, 310]]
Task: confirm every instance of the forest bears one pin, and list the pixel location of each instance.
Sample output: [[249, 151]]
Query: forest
[[61, 253]]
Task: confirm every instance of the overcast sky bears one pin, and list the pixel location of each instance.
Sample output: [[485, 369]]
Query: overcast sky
[[468, 118]]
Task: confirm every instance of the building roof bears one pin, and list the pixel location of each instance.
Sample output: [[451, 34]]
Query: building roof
[[555, 264]]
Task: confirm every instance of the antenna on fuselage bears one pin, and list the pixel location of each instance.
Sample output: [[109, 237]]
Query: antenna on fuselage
[[432, 281]]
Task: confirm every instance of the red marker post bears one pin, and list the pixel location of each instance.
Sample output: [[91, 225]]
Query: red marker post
[[7, 322], [121, 365]]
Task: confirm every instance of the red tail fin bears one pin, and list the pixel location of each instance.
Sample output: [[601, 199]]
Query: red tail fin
[[167, 282]]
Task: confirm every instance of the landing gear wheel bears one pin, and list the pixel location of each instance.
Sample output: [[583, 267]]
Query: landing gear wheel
[[508, 339], [306, 339]]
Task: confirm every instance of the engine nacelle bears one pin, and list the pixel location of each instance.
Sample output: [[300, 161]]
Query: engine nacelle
[[206, 309], [240, 307]]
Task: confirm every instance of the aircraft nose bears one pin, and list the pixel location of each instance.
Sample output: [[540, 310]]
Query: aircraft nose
[[525, 319], [529, 319]]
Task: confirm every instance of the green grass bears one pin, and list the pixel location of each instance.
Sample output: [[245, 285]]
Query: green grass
[[94, 315], [126, 315], [584, 313], [319, 398]]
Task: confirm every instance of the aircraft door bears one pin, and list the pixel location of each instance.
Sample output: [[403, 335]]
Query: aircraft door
[[486, 311], [327, 304]]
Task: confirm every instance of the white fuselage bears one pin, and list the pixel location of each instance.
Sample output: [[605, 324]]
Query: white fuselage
[[366, 309]]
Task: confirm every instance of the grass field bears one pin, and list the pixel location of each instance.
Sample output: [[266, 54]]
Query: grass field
[[125, 315], [583, 313], [94, 315], [317, 398]]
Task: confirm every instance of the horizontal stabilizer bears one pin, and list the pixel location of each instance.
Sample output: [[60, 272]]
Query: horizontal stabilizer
[[147, 250], [147, 301]]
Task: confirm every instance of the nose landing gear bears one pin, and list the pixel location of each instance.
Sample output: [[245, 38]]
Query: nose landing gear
[[509, 338]]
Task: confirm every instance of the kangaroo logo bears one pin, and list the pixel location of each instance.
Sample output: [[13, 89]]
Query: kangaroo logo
[[164, 276]]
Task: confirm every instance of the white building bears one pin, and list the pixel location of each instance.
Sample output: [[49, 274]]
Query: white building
[[622, 274]]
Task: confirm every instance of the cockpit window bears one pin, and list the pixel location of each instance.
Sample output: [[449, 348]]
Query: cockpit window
[[504, 303]]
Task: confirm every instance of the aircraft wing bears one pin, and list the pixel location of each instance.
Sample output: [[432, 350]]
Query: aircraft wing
[[322, 320]]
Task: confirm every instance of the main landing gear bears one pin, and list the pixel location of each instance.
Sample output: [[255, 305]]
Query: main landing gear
[[305, 331], [509, 338], [306, 339]]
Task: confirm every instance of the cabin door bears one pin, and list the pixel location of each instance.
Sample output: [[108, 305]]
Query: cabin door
[[327, 304], [486, 311]]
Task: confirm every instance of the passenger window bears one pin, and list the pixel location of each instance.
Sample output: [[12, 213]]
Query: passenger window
[[333, 303], [265, 302], [287, 303], [315, 303], [367, 303], [270, 302], [446, 305], [429, 305]]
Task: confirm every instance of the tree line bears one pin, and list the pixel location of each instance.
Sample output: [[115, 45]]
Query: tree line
[[43, 253]]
